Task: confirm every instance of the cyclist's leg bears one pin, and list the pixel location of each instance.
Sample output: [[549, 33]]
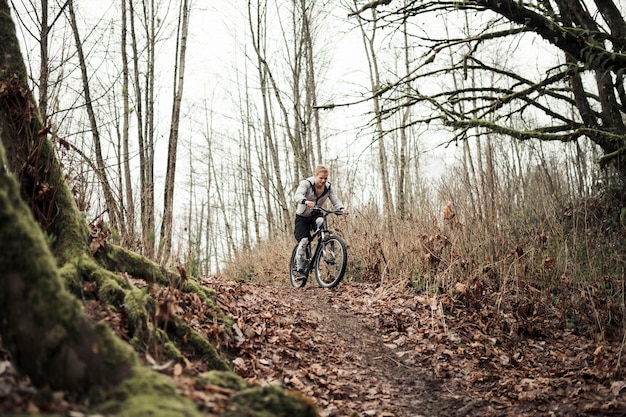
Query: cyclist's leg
[[319, 220], [302, 233], [300, 253]]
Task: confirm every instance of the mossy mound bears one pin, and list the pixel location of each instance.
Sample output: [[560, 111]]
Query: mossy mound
[[270, 401], [224, 379]]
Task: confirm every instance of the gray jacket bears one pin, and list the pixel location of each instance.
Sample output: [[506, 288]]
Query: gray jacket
[[306, 192]]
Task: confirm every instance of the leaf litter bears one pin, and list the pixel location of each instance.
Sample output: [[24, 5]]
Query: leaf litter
[[366, 350], [362, 350]]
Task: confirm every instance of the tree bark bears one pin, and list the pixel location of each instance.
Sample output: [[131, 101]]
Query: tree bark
[[375, 84], [112, 208], [41, 324], [145, 122], [128, 184], [165, 245]]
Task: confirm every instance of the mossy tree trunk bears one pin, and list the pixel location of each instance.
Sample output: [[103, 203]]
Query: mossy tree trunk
[[41, 323], [30, 155]]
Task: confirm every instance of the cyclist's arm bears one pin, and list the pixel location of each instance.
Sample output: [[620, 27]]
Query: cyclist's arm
[[336, 202], [300, 194], [300, 197]]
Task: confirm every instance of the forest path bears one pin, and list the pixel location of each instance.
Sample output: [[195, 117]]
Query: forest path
[[336, 346], [366, 350]]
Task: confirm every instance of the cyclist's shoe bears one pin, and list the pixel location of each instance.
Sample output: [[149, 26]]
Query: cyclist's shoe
[[300, 275]]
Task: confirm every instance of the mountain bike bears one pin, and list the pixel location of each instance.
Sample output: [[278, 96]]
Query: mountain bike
[[328, 257]]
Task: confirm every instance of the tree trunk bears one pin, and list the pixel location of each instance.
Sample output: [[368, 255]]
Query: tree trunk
[[404, 131], [269, 158], [165, 245], [44, 69], [41, 324], [115, 217], [145, 124], [379, 133], [130, 203]]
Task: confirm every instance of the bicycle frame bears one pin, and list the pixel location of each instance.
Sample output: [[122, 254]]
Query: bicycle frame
[[318, 237], [320, 252]]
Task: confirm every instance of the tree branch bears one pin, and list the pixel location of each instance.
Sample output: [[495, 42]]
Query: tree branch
[[371, 5]]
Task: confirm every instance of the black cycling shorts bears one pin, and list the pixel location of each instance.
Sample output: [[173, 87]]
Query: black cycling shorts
[[304, 226]]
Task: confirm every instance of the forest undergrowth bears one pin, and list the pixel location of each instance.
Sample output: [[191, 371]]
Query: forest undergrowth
[[449, 311], [526, 313], [542, 258]]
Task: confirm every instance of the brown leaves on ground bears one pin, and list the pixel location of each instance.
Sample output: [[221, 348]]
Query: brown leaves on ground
[[363, 350]]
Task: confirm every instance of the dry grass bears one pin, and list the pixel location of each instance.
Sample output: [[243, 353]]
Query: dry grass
[[536, 257]]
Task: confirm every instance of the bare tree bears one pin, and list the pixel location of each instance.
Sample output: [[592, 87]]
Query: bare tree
[[44, 69], [270, 158], [376, 86], [115, 216], [144, 110], [165, 245], [402, 165], [129, 238], [581, 95]]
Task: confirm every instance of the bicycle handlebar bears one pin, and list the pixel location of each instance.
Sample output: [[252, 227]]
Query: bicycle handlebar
[[327, 212]]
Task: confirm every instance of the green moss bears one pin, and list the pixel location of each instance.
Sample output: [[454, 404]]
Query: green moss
[[200, 344], [147, 394], [207, 295], [70, 276], [110, 293], [171, 351], [99, 274], [272, 401], [140, 309], [115, 354], [139, 304], [113, 350], [225, 379], [26, 254], [116, 258]]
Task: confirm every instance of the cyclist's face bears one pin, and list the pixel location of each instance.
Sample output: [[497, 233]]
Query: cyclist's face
[[321, 178]]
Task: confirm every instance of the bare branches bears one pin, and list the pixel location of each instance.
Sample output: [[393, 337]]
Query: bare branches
[[480, 86], [371, 5]]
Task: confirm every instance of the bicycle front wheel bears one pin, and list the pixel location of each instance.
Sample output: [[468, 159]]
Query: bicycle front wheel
[[331, 261], [294, 277]]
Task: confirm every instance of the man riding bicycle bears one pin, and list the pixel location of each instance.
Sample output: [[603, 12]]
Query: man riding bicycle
[[312, 192]]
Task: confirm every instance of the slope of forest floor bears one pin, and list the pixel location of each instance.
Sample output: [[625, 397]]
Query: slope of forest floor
[[366, 350]]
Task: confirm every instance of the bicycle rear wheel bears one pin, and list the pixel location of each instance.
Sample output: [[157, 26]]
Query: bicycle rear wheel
[[331, 261], [294, 277]]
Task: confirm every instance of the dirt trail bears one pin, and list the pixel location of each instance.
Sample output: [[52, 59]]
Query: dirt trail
[[364, 350], [313, 341], [374, 372], [359, 350]]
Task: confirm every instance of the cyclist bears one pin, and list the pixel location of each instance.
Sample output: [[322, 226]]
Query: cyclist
[[311, 192]]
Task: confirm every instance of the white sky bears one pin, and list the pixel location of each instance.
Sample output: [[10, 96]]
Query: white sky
[[214, 56]]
